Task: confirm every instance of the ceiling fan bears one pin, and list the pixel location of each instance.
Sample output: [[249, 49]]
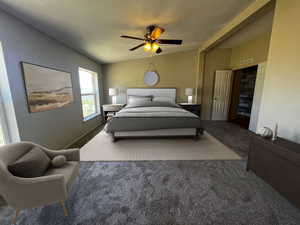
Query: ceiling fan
[[151, 40]]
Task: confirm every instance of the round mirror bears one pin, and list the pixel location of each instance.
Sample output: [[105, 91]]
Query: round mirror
[[151, 78]]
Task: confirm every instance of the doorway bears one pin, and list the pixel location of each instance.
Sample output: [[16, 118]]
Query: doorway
[[243, 87]]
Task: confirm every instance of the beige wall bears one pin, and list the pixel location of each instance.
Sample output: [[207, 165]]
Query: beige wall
[[251, 52], [177, 70], [244, 55], [215, 59], [280, 103], [200, 75]]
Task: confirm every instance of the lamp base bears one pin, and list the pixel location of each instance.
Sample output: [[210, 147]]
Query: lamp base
[[114, 99]]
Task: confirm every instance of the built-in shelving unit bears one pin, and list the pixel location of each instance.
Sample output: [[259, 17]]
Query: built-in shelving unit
[[247, 85], [244, 81]]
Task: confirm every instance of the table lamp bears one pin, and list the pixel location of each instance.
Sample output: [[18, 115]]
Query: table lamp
[[189, 92], [113, 92]]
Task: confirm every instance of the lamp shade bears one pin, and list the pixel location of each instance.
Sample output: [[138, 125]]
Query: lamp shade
[[189, 91], [113, 91]]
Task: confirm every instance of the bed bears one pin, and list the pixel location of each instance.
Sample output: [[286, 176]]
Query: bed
[[153, 113]]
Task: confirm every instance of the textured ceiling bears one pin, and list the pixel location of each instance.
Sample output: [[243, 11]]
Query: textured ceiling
[[260, 26], [93, 27]]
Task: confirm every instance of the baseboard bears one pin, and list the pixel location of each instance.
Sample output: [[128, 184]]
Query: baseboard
[[82, 136]]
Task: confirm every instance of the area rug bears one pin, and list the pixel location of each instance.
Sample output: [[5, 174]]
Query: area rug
[[165, 193], [101, 148]]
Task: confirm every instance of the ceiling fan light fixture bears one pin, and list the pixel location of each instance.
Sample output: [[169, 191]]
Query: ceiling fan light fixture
[[147, 47], [155, 46], [152, 41]]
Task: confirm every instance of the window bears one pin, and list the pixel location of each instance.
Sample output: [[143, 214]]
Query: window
[[4, 134], [1, 136], [4, 138], [89, 93]]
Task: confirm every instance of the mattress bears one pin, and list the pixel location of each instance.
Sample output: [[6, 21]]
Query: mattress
[[152, 116]]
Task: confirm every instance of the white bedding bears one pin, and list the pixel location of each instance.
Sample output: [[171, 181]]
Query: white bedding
[[154, 112]]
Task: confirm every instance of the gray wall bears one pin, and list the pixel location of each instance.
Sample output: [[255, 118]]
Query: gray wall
[[55, 128]]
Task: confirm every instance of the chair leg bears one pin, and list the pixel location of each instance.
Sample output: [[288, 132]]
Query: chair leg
[[64, 208], [16, 216]]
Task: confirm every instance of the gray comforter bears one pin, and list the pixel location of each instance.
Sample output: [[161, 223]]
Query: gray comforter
[[152, 116]]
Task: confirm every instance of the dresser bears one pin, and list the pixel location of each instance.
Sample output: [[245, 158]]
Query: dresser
[[278, 163]]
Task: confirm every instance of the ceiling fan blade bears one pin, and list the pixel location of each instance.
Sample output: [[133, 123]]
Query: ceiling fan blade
[[159, 50], [155, 34], [135, 38], [136, 47], [169, 41]]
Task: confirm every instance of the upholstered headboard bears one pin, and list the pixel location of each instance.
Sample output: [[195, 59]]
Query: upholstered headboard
[[155, 92]]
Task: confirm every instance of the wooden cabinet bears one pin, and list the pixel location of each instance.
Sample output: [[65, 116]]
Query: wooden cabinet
[[278, 163]]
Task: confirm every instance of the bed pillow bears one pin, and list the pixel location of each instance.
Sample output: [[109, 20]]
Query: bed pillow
[[33, 164], [163, 99], [152, 104], [134, 99]]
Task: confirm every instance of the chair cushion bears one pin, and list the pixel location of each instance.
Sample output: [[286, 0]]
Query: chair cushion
[[70, 171], [33, 164], [59, 161]]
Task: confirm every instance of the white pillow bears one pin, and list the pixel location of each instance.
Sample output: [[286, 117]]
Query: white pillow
[[163, 99], [133, 99]]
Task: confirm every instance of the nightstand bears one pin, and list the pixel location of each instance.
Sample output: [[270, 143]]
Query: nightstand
[[192, 107], [111, 109]]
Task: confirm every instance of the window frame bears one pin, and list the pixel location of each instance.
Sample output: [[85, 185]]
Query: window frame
[[3, 123], [95, 94], [3, 116]]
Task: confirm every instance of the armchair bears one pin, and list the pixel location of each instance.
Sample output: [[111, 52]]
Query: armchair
[[21, 193]]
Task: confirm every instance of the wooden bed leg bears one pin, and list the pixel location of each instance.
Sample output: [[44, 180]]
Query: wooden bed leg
[[196, 137], [247, 167], [200, 131], [114, 138]]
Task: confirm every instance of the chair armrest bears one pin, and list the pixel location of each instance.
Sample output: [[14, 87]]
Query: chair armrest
[[36, 192], [70, 154]]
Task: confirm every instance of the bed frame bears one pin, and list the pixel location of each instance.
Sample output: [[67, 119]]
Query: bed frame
[[162, 133]]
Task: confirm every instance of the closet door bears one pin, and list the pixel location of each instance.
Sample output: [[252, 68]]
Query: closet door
[[259, 84], [222, 92]]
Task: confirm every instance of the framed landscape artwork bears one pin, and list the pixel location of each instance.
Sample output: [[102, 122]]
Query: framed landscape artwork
[[46, 88]]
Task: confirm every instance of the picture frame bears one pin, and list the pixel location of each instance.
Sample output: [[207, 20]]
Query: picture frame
[[46, 88]]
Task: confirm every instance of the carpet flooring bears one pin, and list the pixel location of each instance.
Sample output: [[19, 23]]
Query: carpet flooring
[[165, 193], [101, 148], [232, 135], [169, 192]]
